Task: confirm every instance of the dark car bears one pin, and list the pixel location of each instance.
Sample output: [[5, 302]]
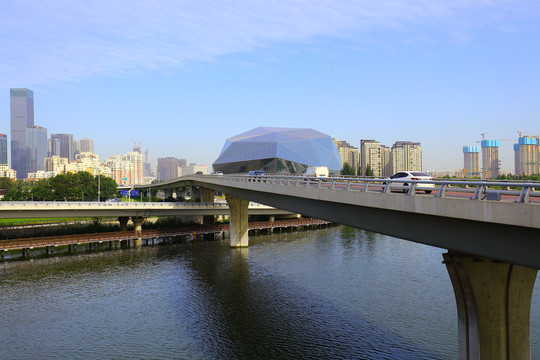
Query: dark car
[[257, 173]]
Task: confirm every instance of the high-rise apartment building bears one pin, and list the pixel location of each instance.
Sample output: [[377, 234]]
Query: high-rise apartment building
[[3, 150], [471, 161], [349, 154], [490, 158], [406, 156], [526, 153], [126, 169], [65, 148], [22, 116], [377, 156], [36, 148], [86, 145]]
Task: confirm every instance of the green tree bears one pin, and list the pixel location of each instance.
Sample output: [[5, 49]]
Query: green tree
[[369, 172], [347, 169], [7, 184]]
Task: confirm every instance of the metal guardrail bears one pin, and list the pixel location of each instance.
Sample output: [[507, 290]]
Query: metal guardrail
[[479, 190], [92, 204]]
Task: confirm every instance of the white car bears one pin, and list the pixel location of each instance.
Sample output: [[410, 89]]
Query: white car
[[407, 176]]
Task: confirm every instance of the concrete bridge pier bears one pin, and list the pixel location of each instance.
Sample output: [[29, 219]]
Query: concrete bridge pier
[[138, 221], [494, 305], [123, 222], [238, 221]]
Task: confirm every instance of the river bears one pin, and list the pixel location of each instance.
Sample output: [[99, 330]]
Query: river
[[336, 293]]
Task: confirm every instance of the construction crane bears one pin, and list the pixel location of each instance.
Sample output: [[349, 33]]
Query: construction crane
[[483, 135]]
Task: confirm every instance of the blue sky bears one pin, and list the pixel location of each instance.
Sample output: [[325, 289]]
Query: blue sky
[[182, 76]]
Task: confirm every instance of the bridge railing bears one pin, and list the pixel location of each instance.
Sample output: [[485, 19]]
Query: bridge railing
[[478, 190]]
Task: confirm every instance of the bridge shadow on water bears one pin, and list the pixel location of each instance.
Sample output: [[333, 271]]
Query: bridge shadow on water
[[241, 310]]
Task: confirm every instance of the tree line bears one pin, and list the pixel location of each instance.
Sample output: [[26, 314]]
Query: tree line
[[80, 186]]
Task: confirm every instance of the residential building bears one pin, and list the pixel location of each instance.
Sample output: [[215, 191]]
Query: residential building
[[406, 156], [371, 155], [471, 161], [349, 154], [22, 116], [126, 169], [5, 171], [3, 150], [526, 155], [490, 158], [52, 163], [36, 148], [65, 148]]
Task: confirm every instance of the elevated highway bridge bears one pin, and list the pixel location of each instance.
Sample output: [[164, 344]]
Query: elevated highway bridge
[[491, 232]]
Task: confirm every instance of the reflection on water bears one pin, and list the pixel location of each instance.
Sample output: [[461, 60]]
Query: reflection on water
[[335, 293]]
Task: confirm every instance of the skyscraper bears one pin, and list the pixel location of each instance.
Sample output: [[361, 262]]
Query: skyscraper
[[22, 117], [66, 145], [3, 150], [471, 161], [36, 148], [490, 158], [147, 166], [86, 145]]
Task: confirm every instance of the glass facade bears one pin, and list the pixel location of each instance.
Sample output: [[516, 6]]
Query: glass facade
[[22, 116], [278, 150], [36, 148], [3, 150]]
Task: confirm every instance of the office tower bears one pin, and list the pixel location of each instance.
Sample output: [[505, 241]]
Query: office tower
[[22, 116], [53, 146], [406, 156], [86, 145], [167, 168], [137, 148], [349, 154], [3, 150], [526, 155], [36, 148], [490, 158], [66, 145], [471, 161]]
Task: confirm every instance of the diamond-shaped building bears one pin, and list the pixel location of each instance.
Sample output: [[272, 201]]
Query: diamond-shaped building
[[278, 150]]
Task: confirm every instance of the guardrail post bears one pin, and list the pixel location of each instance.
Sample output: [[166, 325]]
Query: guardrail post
[[442, 190], [479, 190], [525, 195], [412, 189]]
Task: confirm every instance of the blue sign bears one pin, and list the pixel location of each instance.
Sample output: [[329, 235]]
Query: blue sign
[[134, 193], [123, 193]]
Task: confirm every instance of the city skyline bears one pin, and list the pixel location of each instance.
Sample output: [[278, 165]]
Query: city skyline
[[182, 78]]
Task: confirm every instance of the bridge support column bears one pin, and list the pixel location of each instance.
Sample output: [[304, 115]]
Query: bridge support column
[[494, 305], [123, 222], [138, 221], [238, 221], [207, 196]]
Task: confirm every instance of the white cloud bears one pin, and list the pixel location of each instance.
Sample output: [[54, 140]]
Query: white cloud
[[65, 40]]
